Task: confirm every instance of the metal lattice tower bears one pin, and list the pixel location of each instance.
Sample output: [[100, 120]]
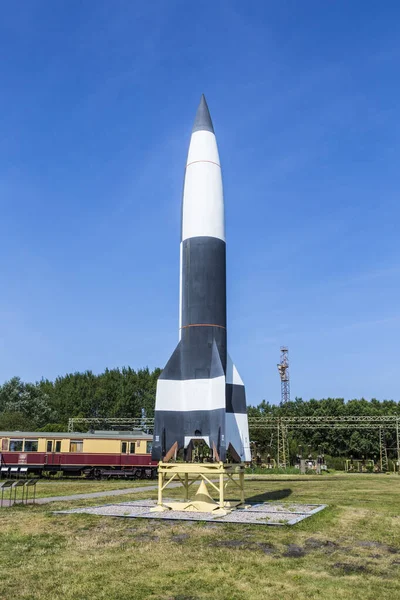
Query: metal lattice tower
[[384, 463], [282, 458], [283, 368]]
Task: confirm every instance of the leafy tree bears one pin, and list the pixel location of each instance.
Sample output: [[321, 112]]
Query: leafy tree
[[25, 399], [15, 421]]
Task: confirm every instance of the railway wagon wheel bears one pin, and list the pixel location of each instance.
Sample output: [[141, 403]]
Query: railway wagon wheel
[[138, 473]]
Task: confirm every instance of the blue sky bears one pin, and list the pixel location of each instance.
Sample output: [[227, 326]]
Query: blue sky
[[97, 101]]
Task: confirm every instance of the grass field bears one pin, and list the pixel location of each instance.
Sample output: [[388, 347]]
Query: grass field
[[47, 489], [349, 551]]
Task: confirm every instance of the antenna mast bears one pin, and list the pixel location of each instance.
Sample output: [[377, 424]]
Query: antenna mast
[[283, 368]]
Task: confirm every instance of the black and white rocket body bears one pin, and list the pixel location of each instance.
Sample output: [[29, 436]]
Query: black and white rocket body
[[200, 394]]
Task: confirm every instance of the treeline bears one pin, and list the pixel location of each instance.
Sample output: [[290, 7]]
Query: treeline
[[333, 442], [47, 405]]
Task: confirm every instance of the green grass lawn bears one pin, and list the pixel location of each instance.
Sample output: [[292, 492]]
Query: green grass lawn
[[349, 551], [63, 487]]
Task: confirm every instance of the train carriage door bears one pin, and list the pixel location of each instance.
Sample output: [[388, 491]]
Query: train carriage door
[[57, 451], [132, 452], [49, 449], [53, 449], [124, 452]]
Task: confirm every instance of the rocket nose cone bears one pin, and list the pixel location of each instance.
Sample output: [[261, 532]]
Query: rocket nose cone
[[203, 121]]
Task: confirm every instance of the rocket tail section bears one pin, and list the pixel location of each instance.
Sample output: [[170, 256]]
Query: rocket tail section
[[190, 404], [211, 406]]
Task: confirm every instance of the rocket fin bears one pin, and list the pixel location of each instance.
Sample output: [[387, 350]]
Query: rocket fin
[[237, 428], [173, 368]]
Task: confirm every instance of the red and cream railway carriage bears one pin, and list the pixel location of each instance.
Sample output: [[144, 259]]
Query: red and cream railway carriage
[[101, 453]]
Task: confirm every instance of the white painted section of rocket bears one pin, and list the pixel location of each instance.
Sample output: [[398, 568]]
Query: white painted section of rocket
[[192, 394], [203, 197]]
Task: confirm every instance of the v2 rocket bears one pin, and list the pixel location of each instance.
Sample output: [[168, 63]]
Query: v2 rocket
[[200, 394]]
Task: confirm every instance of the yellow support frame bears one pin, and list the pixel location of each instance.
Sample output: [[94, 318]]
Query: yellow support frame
[[189, 473]]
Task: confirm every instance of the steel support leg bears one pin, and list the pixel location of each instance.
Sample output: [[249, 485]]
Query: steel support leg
[[186, 486], [160, 487], [241, 480], [221, 491]]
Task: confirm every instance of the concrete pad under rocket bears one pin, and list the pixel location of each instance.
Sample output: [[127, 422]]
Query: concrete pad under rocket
[[200, 394]]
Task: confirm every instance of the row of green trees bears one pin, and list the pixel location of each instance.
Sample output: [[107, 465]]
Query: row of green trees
[[331, 441], [47, 405]]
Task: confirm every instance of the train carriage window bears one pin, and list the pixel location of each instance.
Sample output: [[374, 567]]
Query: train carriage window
[[149, 447], [124, 447], [4, 445], [58, 446], [132, 448], [49, 446], [31, 446], [76, 446], [16, 445]]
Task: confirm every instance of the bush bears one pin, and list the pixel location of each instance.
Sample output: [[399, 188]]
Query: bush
[[276, 471], [337, 463]]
